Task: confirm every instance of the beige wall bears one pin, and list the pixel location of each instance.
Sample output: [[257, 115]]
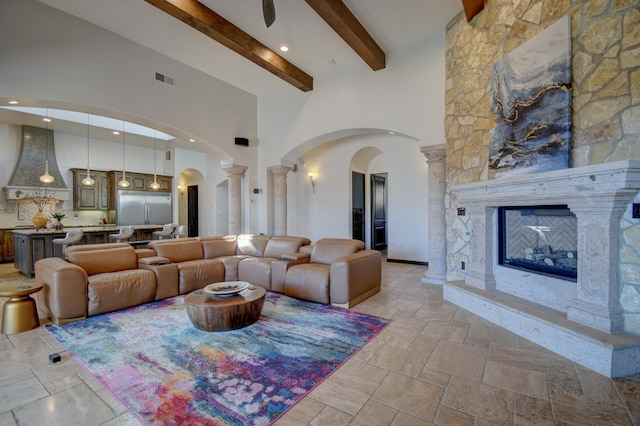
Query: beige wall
[[605, 105]]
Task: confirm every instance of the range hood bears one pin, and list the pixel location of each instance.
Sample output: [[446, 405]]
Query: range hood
[[36, 147]]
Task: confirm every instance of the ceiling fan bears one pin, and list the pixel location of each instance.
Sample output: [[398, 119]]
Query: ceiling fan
[[269, 12]]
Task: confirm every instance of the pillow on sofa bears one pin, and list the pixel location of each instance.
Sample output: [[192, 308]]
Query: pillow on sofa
[[99, 261]]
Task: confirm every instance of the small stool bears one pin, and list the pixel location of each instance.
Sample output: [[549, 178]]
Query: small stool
[[20, 312]]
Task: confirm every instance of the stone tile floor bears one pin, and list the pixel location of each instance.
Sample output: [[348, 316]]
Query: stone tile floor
[[434, 364]]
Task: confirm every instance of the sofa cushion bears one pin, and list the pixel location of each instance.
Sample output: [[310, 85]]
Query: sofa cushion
[[308, 281], [111, 258], [327, 250], [256, 270], [231, 266], [196, 274], [219, 247], [251, 245], [281, 245], [112, 291], [180, 250]]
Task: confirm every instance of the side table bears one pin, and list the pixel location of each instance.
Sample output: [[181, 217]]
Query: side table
[[20, 312]]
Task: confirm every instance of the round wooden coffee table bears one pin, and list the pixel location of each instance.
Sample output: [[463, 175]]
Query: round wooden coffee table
[[19, 312], [216, 313]]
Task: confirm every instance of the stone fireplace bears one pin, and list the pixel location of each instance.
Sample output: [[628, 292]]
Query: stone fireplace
[[581, 319]]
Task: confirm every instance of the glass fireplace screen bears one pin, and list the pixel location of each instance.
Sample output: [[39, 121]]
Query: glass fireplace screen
[[541, 239]]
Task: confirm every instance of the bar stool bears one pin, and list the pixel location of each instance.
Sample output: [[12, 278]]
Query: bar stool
[[125, 233], [70, 239], [180, 231], [165, 233]]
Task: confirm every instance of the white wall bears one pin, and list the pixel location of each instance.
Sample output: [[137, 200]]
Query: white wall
[[327, 213], [407, 97]]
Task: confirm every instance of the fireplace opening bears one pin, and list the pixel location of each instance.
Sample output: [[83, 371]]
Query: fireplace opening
[[540, 239]]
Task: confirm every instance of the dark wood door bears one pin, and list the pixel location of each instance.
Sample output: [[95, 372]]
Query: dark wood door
[[357, 206], [192, 210], [378, 212]]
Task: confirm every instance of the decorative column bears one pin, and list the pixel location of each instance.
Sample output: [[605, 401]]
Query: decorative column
[[234, 175], [597, 300], [481, 260], [436, 273], [279, 174]]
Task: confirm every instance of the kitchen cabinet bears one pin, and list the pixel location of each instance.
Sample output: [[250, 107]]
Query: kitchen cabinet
[[90, 197], [6, 246], [163, 181], [137, 182]]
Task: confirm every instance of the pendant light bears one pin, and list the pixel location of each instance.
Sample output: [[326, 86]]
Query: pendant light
[[123, 183], [88, 181], [155, 184], [46, 177]]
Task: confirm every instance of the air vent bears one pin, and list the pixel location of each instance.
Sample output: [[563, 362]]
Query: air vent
[[166, 79]]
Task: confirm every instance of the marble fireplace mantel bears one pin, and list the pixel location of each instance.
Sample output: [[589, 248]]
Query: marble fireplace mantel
[[597, 195]]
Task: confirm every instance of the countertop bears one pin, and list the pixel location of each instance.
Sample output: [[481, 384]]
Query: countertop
[[87, 229]]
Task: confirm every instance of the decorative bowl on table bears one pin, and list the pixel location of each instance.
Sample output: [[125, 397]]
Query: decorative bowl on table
[[226, 288]]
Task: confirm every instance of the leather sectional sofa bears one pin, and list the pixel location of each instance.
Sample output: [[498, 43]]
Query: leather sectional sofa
[[99, 278]]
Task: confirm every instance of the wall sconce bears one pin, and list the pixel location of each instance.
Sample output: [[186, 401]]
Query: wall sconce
[[312, 179]]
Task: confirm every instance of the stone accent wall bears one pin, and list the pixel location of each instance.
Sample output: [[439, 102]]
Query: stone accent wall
[[606, 105]]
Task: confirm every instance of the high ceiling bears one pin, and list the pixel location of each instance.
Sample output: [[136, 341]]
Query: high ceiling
[[314, 47]]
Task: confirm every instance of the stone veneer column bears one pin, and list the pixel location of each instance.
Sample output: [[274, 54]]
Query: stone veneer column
[[597, 300], [279, 174], [436, 273], [234, 175]]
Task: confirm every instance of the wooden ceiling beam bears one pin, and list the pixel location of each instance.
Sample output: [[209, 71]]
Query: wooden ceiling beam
[[339, 17], [205, 20], [472, 8]]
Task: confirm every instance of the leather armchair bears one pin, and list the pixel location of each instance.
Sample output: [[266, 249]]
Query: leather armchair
[[337, 271]]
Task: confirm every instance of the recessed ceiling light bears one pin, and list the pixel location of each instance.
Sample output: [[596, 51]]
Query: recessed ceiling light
[[115, 132], [47, 119], [392, 133], [13, 102], [284, 49], [192, 140]]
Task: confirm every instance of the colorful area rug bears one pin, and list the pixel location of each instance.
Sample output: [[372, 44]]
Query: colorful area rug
[[168, 372]]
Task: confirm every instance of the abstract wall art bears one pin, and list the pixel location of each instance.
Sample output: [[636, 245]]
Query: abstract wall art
[[531, 105]]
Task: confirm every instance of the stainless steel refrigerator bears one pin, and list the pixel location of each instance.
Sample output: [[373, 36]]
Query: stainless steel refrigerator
[[143, 208]]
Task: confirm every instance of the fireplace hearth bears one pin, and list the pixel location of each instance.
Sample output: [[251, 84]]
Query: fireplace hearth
[[579, 316]]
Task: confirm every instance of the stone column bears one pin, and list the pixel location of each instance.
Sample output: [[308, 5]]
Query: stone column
[[279, 174], [234, 175], [597, 301], [436, 273]]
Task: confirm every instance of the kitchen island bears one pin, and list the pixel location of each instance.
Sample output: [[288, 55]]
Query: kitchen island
[[31, 245]]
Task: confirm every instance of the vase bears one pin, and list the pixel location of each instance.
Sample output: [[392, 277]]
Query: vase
[[59, 226], [40, 219]]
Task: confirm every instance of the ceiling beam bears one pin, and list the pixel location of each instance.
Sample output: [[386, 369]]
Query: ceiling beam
[[472, 8], [205, 20], [343, 22]]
